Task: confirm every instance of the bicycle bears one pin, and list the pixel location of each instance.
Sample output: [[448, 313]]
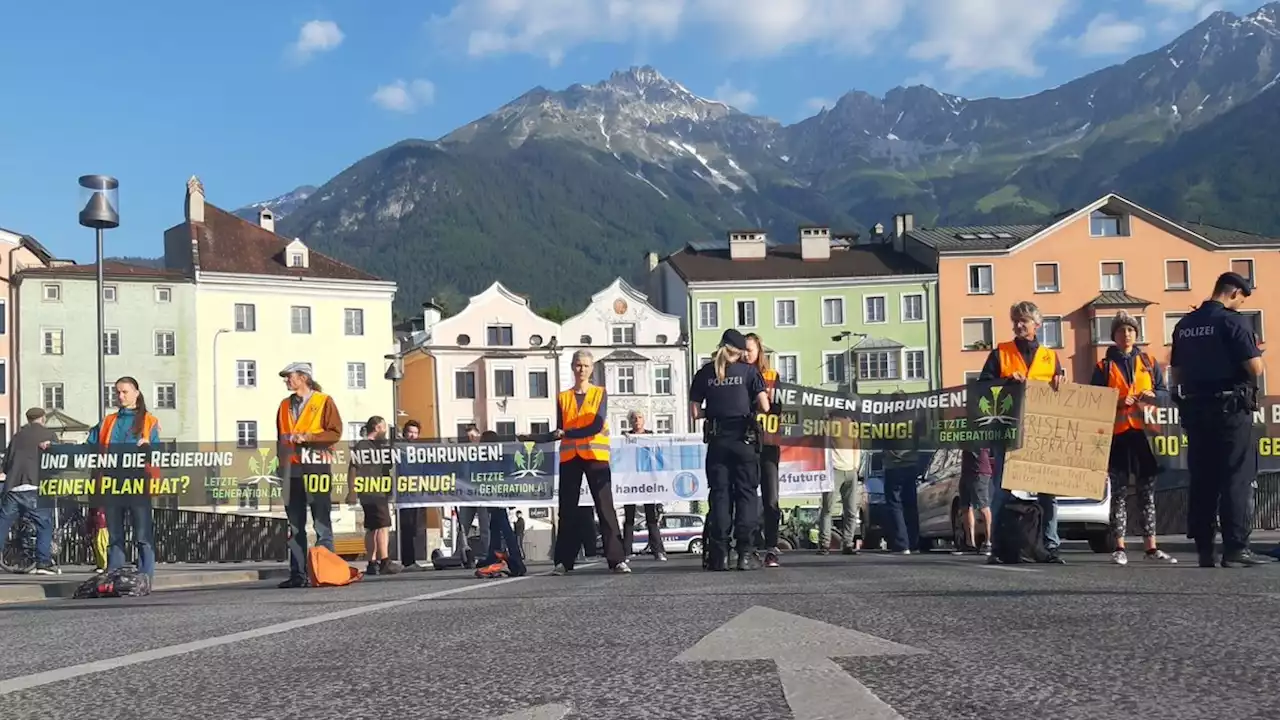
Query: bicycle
[[19, 554]]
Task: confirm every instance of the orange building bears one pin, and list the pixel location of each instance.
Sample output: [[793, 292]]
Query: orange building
[[1081, 268]]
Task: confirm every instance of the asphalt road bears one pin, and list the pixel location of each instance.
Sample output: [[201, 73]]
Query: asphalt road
[[915, 637]]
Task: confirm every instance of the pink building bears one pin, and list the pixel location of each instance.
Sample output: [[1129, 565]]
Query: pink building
[[17, 251]]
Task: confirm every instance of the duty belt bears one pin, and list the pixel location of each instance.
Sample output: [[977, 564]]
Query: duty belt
[[731, 428]]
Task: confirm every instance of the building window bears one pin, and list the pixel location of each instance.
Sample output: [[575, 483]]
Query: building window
[[833, 368], [597, 374], [1105, 224], [296, 260], [51, 292], [873, 309], [300, 320], [499, 336], [623, 334], [788, 368], [1244, 268], [833, 311], [355, 430], [1177, 275], [976, 333], [746, 313], [166, 396], [110, 293], [623, 423], [1102, 330], [1051, 332], [1170, 323], [110, 342], [981, 280], [164, 294], [662, 380], [708, 314], [109, 395], [784, 313], [662, 424], [538, 386], [913, 307], [355, 376], [914, 362], [353, 321], [4, 386], [626, 380], [1254, 317], [464, 385], [504, 383], [246, 317], [462, 426], [878, 365], [51, 395], [971, 375], [1046, 277], [506, 429], [246, 433], [703, 360], [539, 427], [166, 343], [51, 342], [246, 373], [1112, 276], [4, 325]]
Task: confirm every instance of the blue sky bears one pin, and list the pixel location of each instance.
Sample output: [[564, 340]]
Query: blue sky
[[257, 98]]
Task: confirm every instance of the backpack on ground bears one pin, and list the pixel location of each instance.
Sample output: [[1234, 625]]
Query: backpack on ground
[[327, 569], [122, 582], [1020, 532]]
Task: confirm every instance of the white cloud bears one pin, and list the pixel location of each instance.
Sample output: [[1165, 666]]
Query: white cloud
[[738, 98], [1201, 8], [1180, 6], [974, 36], [405, 96], [314, 37], [1107, 34]]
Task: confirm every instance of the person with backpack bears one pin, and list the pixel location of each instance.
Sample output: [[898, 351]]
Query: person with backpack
[[1139, 379]]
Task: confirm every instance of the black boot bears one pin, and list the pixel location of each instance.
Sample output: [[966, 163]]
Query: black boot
[[746, 561], [1205, 555]]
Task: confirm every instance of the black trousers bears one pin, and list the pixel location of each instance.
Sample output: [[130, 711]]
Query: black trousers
[[576, 527], [766, 537], [733, 479], [651, 524], [410, 526], [1223, 463]]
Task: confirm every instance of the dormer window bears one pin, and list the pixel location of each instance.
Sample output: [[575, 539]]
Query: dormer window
[[296, 260], [296, 255], [1107, 224]]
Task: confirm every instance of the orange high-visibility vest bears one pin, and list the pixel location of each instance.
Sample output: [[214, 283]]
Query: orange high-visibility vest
[[149, 423], [1129, 418], [1043, 366], [308, 420], [595, 447]]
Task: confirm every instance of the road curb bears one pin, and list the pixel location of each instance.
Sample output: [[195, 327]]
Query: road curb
[[34, 592]]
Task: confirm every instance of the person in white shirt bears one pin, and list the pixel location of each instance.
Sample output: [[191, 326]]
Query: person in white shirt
[[847, 463]]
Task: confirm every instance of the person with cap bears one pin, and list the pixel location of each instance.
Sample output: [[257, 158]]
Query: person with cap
[[1138, 379], [727, 394], [1214, 368], [307, 420], [21, 479]]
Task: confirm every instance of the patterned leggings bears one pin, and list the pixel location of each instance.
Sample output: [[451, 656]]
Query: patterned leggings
[[1120, 505]]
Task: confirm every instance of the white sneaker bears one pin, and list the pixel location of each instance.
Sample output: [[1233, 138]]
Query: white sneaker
[[1119, 558], [559, 570], [621, 568], [1161, 556]]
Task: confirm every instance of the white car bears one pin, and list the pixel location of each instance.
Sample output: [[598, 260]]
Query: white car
[[681, 532], [938, 500]]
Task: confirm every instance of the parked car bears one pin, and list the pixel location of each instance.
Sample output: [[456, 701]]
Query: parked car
[[681, 532]]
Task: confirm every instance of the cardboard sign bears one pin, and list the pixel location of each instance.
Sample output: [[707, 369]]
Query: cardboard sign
[[1066, 441]]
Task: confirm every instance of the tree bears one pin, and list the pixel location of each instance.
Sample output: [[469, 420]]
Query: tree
[[554, 313]]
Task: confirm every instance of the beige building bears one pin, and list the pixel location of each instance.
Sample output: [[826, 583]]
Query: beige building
[[17, 253]]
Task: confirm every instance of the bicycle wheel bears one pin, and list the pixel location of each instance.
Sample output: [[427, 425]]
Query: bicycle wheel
[[16, 559]]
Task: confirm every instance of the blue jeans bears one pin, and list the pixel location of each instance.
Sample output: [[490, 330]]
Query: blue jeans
[[1048, 507], [900, 503], [295, 509], [143, 537], [23, 504], [500, 532]]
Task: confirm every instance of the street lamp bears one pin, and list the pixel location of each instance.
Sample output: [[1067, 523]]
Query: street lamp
[[216, 335], [100, 195], [395, 374], [849, 369]]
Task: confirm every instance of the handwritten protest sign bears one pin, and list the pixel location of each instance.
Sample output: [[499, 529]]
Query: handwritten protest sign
[[1066, 441]]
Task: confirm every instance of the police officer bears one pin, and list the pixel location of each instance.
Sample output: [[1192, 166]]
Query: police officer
[[1214, 368], [728, 394]]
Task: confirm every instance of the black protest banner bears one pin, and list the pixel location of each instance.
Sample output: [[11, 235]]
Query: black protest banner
[[203, 475], [981, 414], [1169, 442]]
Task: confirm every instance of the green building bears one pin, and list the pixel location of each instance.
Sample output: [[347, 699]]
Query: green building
[[826, 306]]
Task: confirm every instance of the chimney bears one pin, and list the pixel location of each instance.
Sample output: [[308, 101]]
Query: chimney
[[651, 261], [431, 313], [899, 224], [908, 222], [266, 220], [195, 200], [748, 244], [815, 243]]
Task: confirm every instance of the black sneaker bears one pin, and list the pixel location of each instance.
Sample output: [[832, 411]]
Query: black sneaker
[[660, 556], [716, 562], [848, 550], [293, 582], [746, 561], [771, 559], [46, 569], [1243, 558], [372, 568], [1055, 559], [824, 551], [389, 567]]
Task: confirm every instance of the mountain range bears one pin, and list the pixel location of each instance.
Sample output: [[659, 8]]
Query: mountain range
[[557, 192]]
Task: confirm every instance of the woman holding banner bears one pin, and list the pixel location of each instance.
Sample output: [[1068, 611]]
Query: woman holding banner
[[132, 426], [1138, 379], [770, 455]]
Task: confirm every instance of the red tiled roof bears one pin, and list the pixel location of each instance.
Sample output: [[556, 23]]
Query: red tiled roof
[[111, 269], [230, 244]]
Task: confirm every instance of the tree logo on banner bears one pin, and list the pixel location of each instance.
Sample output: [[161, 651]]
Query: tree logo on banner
[[263, 467], [529, 462], [993, 408]]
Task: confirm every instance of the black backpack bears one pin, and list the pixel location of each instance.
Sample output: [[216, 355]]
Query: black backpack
[[124, 582], [1020, 532]]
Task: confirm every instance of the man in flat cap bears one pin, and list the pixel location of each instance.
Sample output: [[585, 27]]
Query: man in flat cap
[[307, 419], [1214, 368]]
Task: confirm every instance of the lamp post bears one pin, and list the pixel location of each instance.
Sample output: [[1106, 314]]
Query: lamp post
[[849, 369], [216, 335], [553, 352], [101, 211], [395, 374]]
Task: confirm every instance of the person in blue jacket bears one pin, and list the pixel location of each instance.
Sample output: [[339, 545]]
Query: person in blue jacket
[[131, 425]]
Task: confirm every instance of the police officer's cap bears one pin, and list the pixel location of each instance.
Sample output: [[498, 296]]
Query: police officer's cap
[[1228, 280], [734, 339]]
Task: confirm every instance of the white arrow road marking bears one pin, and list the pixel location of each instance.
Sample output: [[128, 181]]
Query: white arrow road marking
[[551, 711], [815, 687]]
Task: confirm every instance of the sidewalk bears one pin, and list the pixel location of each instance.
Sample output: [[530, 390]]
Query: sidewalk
[[30, 588], [1262, 542]]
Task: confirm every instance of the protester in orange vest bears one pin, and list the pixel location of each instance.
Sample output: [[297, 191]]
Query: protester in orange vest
[[306, 420], [770, 457], [1138, 378], [133, 426], [1021, 359], [582, 427]]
